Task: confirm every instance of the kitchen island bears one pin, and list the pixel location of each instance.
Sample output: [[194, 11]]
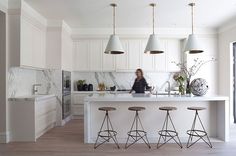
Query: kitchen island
[[215, 118]]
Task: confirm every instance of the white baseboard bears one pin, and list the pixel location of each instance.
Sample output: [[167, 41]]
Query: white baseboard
[[4, 137], [78, 117], [64, 121]]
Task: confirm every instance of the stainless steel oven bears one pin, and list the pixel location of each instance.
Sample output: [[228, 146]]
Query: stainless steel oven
[[66, 81], [66, 94], [66, 106]]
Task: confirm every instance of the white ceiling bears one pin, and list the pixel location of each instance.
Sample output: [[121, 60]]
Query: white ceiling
[[136, 13]]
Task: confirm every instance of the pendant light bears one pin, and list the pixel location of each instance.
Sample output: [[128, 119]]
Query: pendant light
[[114, 45], [153, 45], [192, 45]]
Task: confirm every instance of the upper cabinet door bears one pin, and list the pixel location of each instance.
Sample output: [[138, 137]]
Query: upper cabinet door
[[26, 45], [81, 55], [32, 52], [174, 54], [122, 59], [160, 59], [147, 60], [134, 48], [38, 48], [95, 55], [108, 61]]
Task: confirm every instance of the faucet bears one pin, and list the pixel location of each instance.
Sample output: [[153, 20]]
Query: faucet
[[35, 88], [167, 82]]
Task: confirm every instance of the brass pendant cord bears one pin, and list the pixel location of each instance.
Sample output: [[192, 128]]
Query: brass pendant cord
[[114, 19], [192, 14], [153, 18]]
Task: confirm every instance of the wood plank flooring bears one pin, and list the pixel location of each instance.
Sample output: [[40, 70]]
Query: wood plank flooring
[[68, 141]]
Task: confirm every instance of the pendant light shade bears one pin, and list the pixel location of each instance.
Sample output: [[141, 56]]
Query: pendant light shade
[[114, 45], [192, 45], [153, 45]]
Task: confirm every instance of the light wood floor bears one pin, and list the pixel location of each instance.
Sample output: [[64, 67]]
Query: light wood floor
[[68, 141]]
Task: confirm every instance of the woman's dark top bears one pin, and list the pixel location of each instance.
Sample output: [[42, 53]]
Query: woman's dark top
[[139, 86]]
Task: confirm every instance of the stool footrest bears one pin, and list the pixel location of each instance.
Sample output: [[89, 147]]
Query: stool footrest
[[197, 133], [168, 133], [107, 133], [134, 133]]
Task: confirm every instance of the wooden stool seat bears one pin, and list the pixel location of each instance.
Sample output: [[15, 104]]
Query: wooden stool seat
[[136, 108], [167, 108], [107, 108], [196, 108]]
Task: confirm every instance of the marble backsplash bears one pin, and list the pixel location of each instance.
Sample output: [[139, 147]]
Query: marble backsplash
[[21, 80], [122, 80]]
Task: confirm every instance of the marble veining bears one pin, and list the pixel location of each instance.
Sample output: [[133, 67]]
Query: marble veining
[[122, 80]]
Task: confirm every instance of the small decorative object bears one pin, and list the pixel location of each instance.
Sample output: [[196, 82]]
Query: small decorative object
[[192, 70], [85, 87], [101, 87], [199, 87], [178, 77], [80, 84]]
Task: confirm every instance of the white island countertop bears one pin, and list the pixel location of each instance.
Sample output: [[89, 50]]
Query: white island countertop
[[150, 97]]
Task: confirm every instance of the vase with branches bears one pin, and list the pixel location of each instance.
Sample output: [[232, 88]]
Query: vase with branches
[[189, 72]]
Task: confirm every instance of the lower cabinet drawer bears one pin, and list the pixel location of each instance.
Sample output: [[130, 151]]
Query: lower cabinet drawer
[[45, 106], [43, 122], [77, 109]]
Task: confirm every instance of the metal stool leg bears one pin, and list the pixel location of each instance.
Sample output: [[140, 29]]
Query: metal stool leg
[[137, 134], [167, 133], [200, 134], [106, 134]]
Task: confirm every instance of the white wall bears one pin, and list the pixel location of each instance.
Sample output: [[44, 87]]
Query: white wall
[[226, 38]]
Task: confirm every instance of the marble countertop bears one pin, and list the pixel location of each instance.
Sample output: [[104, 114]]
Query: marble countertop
[[150, 97], [31, 97]]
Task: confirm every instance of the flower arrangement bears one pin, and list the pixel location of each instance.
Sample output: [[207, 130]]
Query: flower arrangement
[[180, 78], [192, 70]]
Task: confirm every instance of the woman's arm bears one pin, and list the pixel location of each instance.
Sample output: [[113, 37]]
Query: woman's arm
[[146, 85], [132, 87]]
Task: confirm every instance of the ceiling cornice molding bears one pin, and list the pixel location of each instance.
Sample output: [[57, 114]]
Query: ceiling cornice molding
[[143, 31], [54, 23], [3, 6], [227, 27], [29, 12]]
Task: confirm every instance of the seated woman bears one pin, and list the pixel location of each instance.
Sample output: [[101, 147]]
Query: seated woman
[[140, 84]]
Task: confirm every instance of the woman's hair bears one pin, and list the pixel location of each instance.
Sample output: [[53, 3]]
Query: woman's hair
[[139, 70]]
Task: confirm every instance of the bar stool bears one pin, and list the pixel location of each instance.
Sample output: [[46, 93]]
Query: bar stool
[[136, 132], [168, 134], [200, 134], [106, 134]]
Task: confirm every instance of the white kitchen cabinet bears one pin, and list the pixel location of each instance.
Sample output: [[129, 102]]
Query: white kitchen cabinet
[[26, 47], [38, 48], [66, 51], [174, 54], [160, 59], [31, 118], [108, 61], [81, 55], [134, 52], [90, 56], [147, 60], [122, 59], [78, 103], [95, 55], [32, 45]]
